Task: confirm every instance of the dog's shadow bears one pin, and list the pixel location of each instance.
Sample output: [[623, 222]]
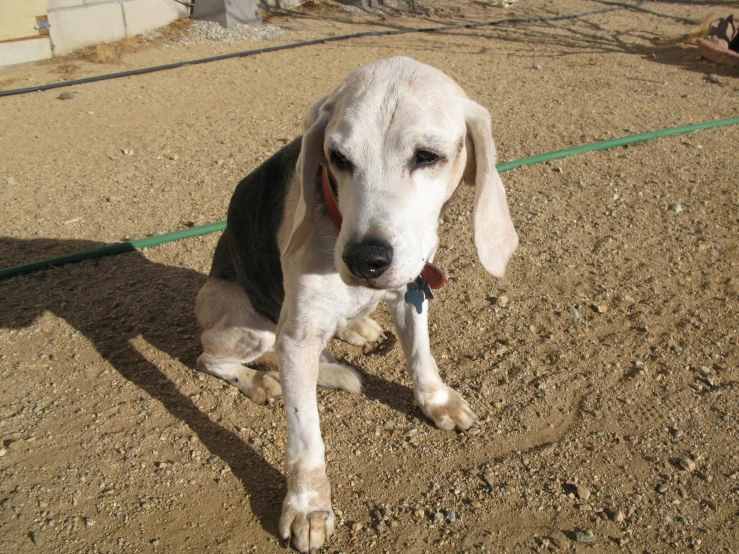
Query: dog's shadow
[[115, 299]]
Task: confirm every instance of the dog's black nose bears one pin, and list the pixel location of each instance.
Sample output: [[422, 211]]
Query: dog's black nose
[[369, 258]]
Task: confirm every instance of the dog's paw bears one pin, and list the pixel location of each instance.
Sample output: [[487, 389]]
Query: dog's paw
[[307, 517], [263, 388], [447, 409], [359, 332]]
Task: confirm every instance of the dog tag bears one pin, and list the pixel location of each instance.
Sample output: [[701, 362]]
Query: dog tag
[[415, 297]]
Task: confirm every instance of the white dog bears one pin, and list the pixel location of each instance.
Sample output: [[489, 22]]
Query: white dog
[[294, 267]]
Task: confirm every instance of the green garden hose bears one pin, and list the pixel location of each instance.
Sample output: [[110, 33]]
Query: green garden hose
[[150, 242]]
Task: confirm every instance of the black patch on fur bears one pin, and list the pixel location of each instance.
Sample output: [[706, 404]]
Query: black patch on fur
[[248, 252]]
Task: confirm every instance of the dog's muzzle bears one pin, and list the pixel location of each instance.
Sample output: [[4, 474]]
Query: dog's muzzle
[[368, 259]]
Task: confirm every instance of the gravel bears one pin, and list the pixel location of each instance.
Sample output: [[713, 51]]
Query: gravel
[[202, 32]]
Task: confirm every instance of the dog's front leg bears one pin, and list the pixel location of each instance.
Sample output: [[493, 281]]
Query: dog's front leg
[[306, 512], [440, 403]]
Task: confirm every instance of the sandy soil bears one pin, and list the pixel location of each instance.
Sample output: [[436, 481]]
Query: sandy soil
[[604, 366]]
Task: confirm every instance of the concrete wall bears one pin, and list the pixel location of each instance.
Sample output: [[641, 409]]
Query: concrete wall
[[78, 23]]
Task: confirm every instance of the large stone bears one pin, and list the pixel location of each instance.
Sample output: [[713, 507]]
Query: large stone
[[228, 12]]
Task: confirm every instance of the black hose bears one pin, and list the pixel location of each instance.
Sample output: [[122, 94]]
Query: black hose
[[290, 46]]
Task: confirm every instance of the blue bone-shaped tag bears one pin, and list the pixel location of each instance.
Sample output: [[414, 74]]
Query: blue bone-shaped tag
[[415, 297], [418, 291]]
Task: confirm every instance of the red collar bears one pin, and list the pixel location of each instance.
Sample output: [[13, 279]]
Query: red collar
[[433, 275]]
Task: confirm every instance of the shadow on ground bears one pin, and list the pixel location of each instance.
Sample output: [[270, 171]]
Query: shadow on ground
[[115, 299]]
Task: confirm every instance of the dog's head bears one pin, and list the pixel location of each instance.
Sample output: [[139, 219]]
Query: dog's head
[[398, 137]]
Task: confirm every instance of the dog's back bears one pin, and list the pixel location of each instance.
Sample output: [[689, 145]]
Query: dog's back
[[248, 252]]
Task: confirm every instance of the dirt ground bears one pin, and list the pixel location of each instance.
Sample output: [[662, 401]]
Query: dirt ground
[[604, 367]]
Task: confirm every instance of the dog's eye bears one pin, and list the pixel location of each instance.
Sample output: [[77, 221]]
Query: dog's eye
[[425, 158], [340, 162]]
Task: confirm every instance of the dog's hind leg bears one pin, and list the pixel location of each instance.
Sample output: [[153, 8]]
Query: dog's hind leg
[[360, 331], [235, 335]]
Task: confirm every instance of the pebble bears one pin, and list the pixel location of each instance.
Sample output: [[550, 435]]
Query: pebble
[[127, 152], [502, 301], [3, 452], [618, 517], [538, 67], [419, 512], [451, 516], [357, 526], [583, 493], [677, 208], [36, 538], [686, 464], [438, 518], [66, 95], [154, 542], [585, 537], [662, 487], [574, 313], [10, 181], [712, 77], [599, 308]]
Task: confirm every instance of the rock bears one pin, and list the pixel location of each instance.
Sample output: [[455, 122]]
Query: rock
[[662, 488], [127, 152], [599, 308], [451, 516], [66, 95], [585, 537], [502, 301], [538, 67], [10, 181], [419, 512], [36, 538], [574, 313], [489, 479], [357, 526], [686, 464], [437, 518], [3, 452], [154, 542], [583, 493], [618, 516], [677, 208], [713, 78]]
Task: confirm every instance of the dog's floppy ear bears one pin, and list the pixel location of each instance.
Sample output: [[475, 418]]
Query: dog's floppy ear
[[495, 237], [311, 154]]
